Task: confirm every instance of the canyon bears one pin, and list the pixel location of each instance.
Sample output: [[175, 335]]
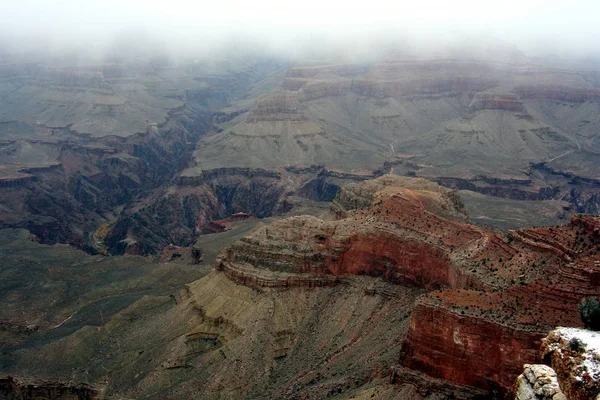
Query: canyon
[[489, 128], [393, 293], [254, 228]]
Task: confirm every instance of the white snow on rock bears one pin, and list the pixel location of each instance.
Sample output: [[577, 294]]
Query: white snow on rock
[[591, 342]]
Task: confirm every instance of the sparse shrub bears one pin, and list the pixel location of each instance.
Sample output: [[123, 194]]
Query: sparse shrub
[[589, 311], [576, 345]]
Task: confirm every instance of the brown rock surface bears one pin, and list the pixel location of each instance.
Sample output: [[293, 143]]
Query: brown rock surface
[[32, 389]]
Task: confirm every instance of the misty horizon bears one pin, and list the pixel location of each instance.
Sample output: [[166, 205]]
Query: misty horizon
[[184, 31]]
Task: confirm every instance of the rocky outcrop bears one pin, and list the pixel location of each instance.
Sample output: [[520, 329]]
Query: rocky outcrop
[[281, 106], [32, 389], [538, 382], [575, 356], [497, 295], [506, 102], [395, 239]]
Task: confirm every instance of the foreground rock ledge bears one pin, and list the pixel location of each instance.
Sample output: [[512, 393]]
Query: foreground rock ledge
[[575, 356]]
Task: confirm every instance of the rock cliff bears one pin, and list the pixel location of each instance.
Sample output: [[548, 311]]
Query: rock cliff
[[559, 267], [496, 294]]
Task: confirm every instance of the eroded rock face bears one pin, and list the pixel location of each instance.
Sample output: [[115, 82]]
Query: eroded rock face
[[31, 389], [561, 93], [277, 107], [411, 233], [575, 356], [560, 267]]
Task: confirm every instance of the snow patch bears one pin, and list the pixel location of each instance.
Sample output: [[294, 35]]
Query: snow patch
[[591, 355]]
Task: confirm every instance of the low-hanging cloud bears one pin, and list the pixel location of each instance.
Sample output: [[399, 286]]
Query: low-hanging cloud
[[310, 28]]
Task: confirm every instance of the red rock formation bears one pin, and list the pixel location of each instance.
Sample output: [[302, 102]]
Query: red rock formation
[[507, 102], [411, 236], [223, 225], [465, 349], [506, 326], [561, 93], [500, 294]]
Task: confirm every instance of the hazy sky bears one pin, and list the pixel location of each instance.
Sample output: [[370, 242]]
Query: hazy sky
[[535, 26]]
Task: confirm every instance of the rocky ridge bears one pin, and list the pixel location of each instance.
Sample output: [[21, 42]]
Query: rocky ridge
[[489, 288]]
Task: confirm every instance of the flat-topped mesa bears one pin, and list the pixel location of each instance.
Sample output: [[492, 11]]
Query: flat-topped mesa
[[545, 293], [360, 195], [324, 71], [71, 78], [280, 106], [209, 174], [313, 83], [412, 232], [506, 102], [561, 93], [401, 79], [327, 88], [421, 88]]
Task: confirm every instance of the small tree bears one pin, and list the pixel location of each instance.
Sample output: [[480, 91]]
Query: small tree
[[589, 310], [576, 345]]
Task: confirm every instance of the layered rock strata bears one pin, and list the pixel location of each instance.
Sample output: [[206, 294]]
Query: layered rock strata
[[496, 294]]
